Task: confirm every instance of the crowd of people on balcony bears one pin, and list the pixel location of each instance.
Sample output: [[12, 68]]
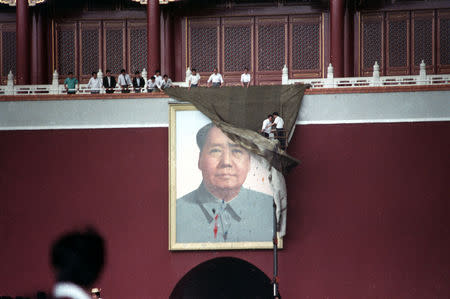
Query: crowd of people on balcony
[[124, 83], [137, 84]]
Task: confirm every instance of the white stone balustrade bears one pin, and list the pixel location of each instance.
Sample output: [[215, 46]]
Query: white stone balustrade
[[328, 82], [375, 80]]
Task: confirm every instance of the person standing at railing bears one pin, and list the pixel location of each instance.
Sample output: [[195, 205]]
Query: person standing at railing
[[158, 79], [245, 78], [109, 82], [138, 82], [94, 84], [71, 84], [124, 81], [215, 79], [194, 79]]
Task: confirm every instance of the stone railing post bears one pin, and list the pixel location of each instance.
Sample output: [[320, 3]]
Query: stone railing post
[[10, 84], [144, 76], [55, 84], [376, 75], [188, 76], [100, 76], [285, 76], [330, 77], [423, 74]]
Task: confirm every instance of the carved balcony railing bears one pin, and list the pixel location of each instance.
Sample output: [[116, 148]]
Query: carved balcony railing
[[375, 80], [329, 82]]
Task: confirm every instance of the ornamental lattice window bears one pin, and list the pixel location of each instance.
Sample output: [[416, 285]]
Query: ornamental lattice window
[[305, 46], [271, 47], [66, 51], [89, 51], [237, 48], [138, 49], [8, 52], [114, 45], [204, 48]]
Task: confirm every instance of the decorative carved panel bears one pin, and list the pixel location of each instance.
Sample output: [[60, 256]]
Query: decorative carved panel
[[398, 48], [397, 43], [137, 48], [423, 40], [271, 46], [237, 48], [371, 42], [8, 55], [66, 55], [306, 47], [443, 42], [90, 48], [114, 46], [203, 41]]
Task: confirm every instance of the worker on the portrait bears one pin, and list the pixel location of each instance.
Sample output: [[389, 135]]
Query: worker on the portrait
[[221, 209]]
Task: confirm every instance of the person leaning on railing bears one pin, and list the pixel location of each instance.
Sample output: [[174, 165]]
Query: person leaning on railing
[[109, 82], [138, 82], [166, 82], [151, 85], [95, 84], [245, 78], [71, 84], [124, 81], [194, 79], [215, 80]]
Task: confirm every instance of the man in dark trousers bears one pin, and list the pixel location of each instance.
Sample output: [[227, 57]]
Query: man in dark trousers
[[109, 82], [138, 82]]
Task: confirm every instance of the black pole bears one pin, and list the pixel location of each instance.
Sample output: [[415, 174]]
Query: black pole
[[275, 251]]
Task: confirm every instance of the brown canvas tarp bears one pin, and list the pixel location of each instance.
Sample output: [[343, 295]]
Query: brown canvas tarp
[[239, 112]]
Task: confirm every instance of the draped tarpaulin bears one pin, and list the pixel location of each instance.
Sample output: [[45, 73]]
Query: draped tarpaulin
[[239, 112]]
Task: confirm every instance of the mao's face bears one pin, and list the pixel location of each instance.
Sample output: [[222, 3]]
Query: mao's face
[[223, 163], [94, 296]]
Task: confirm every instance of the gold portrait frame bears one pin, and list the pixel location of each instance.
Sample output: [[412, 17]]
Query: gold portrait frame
[[175, 110]]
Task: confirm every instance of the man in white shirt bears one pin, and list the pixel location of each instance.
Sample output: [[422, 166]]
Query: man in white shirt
[[158, 79], [267, 126], [151, 85], [124, 81], [278, 123], [94, 84], [166, 83], [194, 79], [215, 79], [245, 78]]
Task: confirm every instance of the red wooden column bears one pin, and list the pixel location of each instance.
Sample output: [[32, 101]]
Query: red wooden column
[[337, 36], [167, 56], [349, 42], [153, 36], [22, 42], [39, 61]]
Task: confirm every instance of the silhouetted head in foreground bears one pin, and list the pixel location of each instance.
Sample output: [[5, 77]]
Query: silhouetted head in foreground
[[224, 278], [78, 257]]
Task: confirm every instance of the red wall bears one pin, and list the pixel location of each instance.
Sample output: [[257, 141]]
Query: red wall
[[368, 212]]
